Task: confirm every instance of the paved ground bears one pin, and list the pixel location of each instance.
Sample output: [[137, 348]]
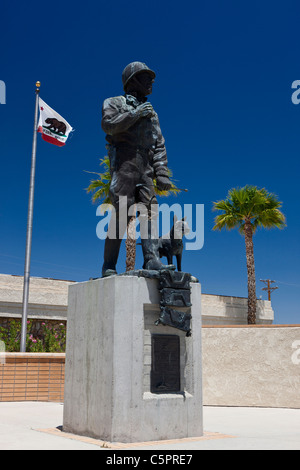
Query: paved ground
[[35, 425]]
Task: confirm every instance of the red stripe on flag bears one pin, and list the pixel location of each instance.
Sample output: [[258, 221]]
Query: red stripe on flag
[[52, 140]]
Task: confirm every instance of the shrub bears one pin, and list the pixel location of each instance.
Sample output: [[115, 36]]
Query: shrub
[[51, 338]]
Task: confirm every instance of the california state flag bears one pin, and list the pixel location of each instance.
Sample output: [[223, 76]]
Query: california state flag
[[54, 128]]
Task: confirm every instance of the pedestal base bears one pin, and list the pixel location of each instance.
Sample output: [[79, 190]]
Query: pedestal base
[[110, 361]]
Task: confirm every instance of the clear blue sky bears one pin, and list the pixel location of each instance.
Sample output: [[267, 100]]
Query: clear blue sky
[[223, 96]]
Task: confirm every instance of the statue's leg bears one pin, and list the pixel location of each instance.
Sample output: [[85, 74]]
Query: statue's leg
[[111, 254], [112, 245], [178, 258]]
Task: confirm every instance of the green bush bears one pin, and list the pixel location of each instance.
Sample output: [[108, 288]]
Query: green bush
[[51, 338]]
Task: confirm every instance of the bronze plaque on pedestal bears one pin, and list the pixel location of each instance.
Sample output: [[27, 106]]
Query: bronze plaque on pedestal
[[165, 364]]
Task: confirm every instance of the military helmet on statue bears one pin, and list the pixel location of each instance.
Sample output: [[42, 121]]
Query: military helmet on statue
[[132, 69]]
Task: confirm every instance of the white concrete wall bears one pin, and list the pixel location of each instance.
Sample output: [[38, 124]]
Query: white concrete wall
[[229, 310], [251, 366], [48, 299]]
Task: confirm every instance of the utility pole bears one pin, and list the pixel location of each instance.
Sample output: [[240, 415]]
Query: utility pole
[[269, 288]]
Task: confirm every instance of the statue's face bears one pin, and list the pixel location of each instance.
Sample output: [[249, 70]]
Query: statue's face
[[146, 82], [141, 83]]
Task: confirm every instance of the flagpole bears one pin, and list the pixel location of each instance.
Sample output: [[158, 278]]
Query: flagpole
[[29, 226]]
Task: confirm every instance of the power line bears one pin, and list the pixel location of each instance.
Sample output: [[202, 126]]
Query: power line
[[288, 284]]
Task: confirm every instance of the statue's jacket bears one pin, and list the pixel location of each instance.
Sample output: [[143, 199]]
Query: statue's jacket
[[136, 150]]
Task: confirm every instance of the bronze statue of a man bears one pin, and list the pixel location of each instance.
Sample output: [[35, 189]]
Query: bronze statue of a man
[[137, 153]]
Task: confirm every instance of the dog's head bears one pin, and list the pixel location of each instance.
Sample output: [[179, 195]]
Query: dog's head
[[181, 227]]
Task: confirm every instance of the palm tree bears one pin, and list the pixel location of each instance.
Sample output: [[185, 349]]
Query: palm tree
[[100, 188], [247, 209]]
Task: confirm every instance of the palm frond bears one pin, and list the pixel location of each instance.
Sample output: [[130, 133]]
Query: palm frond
[[100, 186], [226, 221], [270, 218]]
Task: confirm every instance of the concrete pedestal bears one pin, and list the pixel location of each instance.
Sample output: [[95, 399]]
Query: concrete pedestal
[[108, 363]]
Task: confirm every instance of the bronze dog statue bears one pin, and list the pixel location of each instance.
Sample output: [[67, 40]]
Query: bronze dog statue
[[171, 244]]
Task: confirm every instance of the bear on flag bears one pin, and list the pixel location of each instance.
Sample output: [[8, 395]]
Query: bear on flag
[[54, 128]]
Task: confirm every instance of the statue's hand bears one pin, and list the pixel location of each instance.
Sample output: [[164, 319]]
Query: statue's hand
[[163, 183], [145, 110]]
